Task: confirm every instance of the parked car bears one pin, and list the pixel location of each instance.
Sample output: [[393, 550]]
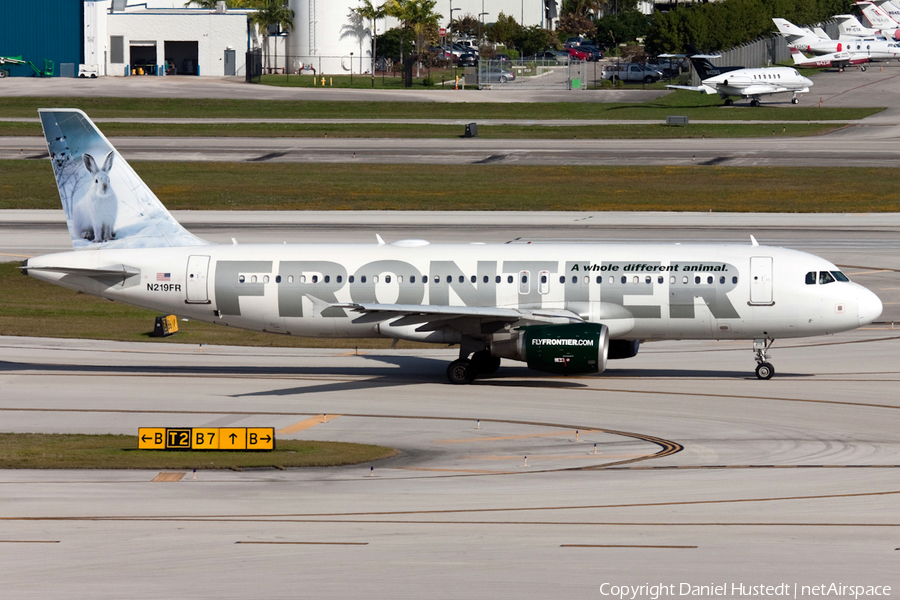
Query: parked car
[[631, 72], [578, 54], [550, 56], [497, 75], [469, 59], [594, 52], [574, 42], [669, 67]]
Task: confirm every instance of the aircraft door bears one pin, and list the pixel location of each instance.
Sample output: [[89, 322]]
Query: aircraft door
[[761, 281], [196, 286]]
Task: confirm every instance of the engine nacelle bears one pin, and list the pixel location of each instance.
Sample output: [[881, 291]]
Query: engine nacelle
[[563, 349], [623, 348]]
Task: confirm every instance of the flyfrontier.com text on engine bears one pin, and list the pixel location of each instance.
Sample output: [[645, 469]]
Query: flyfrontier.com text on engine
[[784, 590]]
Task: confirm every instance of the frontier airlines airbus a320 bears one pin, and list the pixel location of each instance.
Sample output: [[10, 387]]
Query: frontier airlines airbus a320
[[561, 308]]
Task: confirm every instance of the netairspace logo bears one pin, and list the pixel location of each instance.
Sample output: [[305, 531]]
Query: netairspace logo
[[783, 590]]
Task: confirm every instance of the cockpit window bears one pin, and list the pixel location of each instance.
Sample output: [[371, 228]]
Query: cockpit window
[[840, 276], [825, 277], [811, 278]]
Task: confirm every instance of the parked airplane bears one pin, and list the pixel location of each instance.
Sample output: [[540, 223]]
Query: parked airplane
[[838, 60], [746, 83], [877, 16], [871, 47], [849, 26], [561, 308]]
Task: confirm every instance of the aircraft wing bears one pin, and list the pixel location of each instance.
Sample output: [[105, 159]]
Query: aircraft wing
[[704, 89], [432, 316]]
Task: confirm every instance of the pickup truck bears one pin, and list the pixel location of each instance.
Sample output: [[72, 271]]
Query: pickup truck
[[631, 72]]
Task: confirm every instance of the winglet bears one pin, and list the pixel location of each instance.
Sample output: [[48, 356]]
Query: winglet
[[380, 241], [753, 241]]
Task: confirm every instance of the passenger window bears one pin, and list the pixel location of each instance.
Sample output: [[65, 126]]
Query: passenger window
[[509, 279], [709, 279], [315, 279], [462, 278], [291, 279], [562, 278], [697, 279], [811, 278], [497, 279], [635, 279], [624, 279], [265, 279], [241, 279], [328, 279], [543, 279], [473, 279], [486, 279], [374, 279], [734, 279], [351, 279], [253, 279], [599, 278], [684, 279], [722, 279], [672, 279], [574, 278], [612, 279], [387, 279], [412, 278], [399, 278], [587, 279], [340, 278], [362, 279], [648, 279], [825, 277], [302, 279], [659, 279], [449, 278], [437, 278], [278, 279]]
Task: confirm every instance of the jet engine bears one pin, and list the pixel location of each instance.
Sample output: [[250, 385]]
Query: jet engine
[[623, 348], [563, 349]]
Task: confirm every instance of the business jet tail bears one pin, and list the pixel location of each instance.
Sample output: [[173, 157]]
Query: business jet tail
[[106, 203]]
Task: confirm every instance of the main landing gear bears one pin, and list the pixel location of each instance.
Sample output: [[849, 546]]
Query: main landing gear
[[465, 370], [764, 369]]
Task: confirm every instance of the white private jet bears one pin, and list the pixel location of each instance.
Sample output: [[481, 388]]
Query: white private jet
[[745, 83], [849, 26], [838, 60], [871, 48], [561, 308]]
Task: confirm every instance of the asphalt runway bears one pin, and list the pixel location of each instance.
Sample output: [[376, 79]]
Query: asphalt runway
[[702, 473]]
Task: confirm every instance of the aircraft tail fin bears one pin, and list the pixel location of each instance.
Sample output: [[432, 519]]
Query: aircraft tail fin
[[106, 203], [876, 16], [820, 33], [797, 56]]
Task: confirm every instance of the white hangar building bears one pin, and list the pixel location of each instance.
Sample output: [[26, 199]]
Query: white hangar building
[[156, 36]]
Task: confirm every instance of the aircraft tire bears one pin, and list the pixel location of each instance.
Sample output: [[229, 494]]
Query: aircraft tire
[[765, 370], [863, 68], [729, 102], [795, 100], [460, 372], [2, 73], [754, 103], [484, 363]]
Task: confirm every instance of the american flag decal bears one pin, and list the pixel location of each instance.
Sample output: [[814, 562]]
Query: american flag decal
[[163, 276]]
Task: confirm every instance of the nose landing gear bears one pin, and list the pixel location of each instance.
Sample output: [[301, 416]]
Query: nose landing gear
[[764, 369]]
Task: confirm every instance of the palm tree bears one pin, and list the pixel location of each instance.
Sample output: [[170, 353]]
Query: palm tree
[[416, 15], [271, 13], [371, 12]]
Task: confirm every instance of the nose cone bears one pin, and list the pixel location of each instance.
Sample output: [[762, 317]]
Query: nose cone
[[870, 307], [807, 81]]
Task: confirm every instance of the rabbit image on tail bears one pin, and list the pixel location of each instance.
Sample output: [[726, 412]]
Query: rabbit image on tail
[[95, 214]]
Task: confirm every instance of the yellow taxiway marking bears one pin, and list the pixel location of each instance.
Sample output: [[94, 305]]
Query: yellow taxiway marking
[[873, 272], [562, 456], [562, 433], [352, 353], [17, 255], [168, 477], [307, 423]]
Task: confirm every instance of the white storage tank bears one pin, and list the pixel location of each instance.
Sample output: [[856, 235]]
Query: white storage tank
[[324, 35]]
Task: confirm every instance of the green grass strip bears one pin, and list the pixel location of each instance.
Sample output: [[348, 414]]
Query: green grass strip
[[77, 451], [284, 186], [404, 130], [694, 105]]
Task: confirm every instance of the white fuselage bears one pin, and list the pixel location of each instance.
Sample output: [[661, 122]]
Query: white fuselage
[[758, 82], [658, 291]]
